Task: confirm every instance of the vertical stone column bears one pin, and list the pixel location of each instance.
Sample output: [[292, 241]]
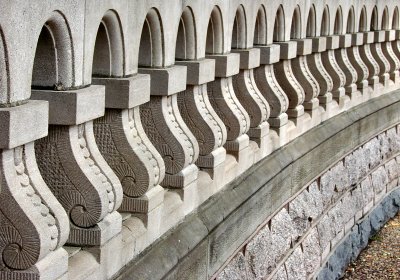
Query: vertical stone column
[[288, 82], [74, 169], [342, 58], [225, 102], [332, 67], [271, 90], [358, 64], [305, 76], [383, 63], [168, 132], [318, 70], [126, 148], [388, 52], [201, 118], [369, 61], [33, 224], [250, 96]]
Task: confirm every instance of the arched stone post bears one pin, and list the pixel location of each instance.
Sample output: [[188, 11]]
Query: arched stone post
[[33, 224], [226, 104], [72, 166], [250, 96]]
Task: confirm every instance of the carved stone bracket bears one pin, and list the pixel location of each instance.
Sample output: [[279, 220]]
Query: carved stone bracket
[[357, 63], [226, 104], [383, 63], [332, 67], [388, 52], [172, 138], [126, 148], [124, 144], [305, 77], [79, 177], [250, 96], [319, 72], [204, 123], [368, 59], [33, 225], [74, 169], [343, 61]]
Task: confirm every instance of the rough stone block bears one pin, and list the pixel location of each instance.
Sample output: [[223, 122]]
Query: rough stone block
[[166, 81], [235, 270], [75, 106], [283, 233], [269, 54], [280, 274], [249, 58], [312, 252], [298, 211], [295, 265], [199, 71], [379, 180], [125, 93], [23, 124]]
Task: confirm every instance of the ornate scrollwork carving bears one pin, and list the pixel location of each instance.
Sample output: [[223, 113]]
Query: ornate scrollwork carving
[[124, 144], [168, 132], [305, 77], [271, 90], [250, 97], [200, 117], [32, 222], [228, 107], [78, 176]]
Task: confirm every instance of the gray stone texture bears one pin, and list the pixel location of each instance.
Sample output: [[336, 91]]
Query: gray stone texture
[[236, 270], [295, 265]]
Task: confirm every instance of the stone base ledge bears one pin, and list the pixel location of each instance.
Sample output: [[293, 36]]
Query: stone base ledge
[[125, 93], [332, 42], [288, 49], [304, 46], [357, 39], [319, 44], [23, 124], [249, 59], [73, 107]]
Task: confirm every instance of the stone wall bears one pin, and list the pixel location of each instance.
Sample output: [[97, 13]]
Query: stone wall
[[123, 120]]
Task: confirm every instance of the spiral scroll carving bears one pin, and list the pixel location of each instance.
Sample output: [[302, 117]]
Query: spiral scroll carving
[[169, 134], [228, 107], [271, 90], [250, 97]]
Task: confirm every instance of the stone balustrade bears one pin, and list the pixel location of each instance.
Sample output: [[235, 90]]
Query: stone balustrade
[[121, 119]]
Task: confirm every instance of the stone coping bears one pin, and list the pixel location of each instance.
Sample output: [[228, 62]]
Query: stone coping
[[227, 219]]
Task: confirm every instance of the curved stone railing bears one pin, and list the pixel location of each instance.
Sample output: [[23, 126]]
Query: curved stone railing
[[121, 119]]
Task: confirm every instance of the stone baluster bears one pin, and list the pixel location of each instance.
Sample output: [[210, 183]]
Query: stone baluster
[[33, 224], [305, 76], [126, 148], [288, 82], [74, 169], [332, 67], [271, 90], [250, 96], [368, 59], [167, 130], [201, 118], [358, 64], [224, 101], [350, 73], [318, 70], [383, 63], [396, 45], [388, 52]]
